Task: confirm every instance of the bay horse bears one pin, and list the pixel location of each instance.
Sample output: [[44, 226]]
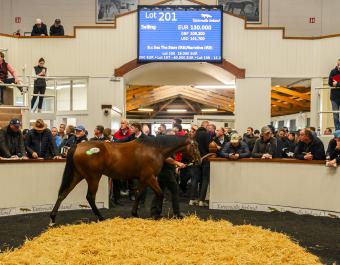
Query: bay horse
[[142, 159]]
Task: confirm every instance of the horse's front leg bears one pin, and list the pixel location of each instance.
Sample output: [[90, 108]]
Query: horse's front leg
[[140, 190]]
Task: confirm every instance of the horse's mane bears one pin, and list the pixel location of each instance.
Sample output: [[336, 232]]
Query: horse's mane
[[163, 141]]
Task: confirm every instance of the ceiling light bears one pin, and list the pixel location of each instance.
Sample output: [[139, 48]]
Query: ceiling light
[[176, 110], [145, 109], [277, 86], [208, 110]]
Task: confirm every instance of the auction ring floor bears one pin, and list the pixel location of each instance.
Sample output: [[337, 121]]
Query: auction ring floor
[[319, 235]]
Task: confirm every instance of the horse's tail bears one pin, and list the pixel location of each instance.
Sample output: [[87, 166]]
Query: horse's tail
[[68, 171]]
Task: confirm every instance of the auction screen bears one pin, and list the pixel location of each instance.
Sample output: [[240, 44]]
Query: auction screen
[[180, 33]]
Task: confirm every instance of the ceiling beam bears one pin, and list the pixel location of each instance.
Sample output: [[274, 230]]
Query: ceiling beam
[[163, 107], [290, 92], [290, 100], [281, 104], [189, 104]]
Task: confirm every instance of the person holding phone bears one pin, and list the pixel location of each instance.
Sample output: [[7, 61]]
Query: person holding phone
[[334, 82], [39, 84], [236, 148]]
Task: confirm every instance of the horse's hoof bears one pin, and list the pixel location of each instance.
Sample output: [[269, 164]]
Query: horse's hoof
[[101, 218], [52, 223], [135, 214]]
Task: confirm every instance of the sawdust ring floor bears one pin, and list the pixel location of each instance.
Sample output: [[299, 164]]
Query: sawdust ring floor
[[139, 241]]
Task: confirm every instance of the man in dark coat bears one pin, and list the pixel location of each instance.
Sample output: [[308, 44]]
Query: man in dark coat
[[39, 142], [235, 149], [99, 134], [57, 29], [220, 139], [249, 138], [309, 147], [333, 150], [202, 137], [266, 146], [167, 180], [78, 137], [39, 29], [136, 133], [12, 141], [283, 143], [334, 82]]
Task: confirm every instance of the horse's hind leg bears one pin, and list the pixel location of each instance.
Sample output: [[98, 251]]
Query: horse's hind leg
[[61, 196], [91, 196], [153, 184]]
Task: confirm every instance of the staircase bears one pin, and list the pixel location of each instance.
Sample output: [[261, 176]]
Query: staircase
[[9, 112]]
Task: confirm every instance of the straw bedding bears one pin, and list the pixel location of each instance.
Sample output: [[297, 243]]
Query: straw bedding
[[138, 242]]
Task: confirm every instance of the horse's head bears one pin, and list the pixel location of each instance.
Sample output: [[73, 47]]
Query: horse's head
[[193, 152]]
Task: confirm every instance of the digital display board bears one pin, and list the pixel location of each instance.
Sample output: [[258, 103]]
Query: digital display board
[[180, 33]]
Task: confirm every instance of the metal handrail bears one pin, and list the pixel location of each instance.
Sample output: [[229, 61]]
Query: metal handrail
[[329, 111], [45, 96], [327, 88], [54, 77], [28, 82], [13, 85]]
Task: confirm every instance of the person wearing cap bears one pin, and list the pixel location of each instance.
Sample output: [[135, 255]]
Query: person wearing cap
[[266, 146], [12, 141], [6, 68], [236, 148], [39, 142], [333, 150], [80, 134], [309, 147], [39, 29], [57, 29], [78, 137]]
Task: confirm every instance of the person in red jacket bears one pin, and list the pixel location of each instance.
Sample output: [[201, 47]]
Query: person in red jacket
[[178, 130], [123, 131]]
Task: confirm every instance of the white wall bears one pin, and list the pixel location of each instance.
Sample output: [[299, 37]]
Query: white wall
[[97, 52], [252, 103], [292, 14], [71, 13], [36, 188]]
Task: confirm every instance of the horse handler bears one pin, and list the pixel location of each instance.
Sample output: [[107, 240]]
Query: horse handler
[[167, 180]]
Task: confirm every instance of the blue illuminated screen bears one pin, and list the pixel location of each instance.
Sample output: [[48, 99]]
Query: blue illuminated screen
[[179, 33]]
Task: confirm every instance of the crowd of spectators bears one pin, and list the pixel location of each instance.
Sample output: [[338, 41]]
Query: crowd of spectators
[[40, 142]]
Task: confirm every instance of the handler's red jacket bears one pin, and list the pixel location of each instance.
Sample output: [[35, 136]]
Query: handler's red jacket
[[119, 134], [179, 156]]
